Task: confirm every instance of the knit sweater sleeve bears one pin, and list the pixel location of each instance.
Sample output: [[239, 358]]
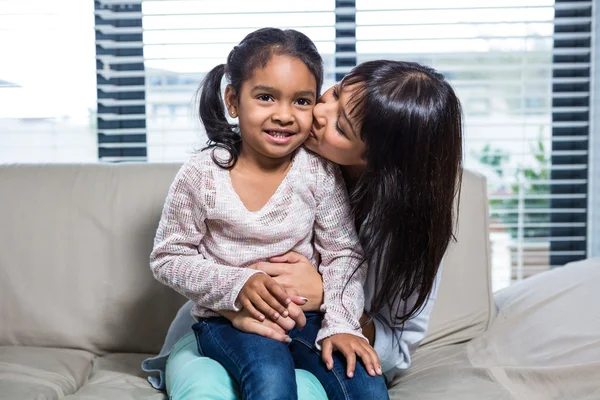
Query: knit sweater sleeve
[[175, 259], [336, 241]]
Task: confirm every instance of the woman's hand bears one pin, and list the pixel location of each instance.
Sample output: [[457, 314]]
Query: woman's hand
[[245, 322], [298, 277], [351, 346]]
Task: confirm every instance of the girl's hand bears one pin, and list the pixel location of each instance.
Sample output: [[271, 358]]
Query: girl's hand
[[262, 295], [245, 322], [298, 276], [350, 346]]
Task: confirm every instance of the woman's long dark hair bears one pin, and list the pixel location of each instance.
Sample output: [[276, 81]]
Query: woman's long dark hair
[[411, 124], [253, 52]]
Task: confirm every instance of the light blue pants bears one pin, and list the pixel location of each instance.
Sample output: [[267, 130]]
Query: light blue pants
[[190, 376]]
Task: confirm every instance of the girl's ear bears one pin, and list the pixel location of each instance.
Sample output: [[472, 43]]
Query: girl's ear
[[231, 101]]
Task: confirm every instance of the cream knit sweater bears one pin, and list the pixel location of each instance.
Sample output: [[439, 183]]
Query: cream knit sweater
[[206, 237]]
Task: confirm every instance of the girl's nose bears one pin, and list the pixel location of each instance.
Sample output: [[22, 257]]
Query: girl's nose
[[283, 115]]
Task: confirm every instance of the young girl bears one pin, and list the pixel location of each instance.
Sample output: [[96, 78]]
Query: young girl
[[253, 194]]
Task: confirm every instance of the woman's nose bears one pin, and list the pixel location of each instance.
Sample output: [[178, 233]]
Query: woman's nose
[[319, 114]]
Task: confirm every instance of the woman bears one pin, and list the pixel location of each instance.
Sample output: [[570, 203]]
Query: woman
[[395, 129]]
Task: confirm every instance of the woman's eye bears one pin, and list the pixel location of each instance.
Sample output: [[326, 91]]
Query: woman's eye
[[264, 97], [338, 129], [304, 102], [335, 93]]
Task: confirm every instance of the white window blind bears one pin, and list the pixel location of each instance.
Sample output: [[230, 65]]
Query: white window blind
[[47, 81], [500, 56], [183, 40]]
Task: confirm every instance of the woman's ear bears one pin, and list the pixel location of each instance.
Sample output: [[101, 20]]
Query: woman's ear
[[231, 101]]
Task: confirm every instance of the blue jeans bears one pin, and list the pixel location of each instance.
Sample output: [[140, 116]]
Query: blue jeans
[[190, 376], [264, 368]]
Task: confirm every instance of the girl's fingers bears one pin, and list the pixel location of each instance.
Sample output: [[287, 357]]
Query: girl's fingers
[[278, 292], [350, 360], [248, 306], [273, 303], [326, 353], [375, 358], [367, 359], [261, 305]]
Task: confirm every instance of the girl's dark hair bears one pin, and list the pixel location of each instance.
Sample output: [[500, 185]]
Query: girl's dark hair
[[252, 53], [411, 124]]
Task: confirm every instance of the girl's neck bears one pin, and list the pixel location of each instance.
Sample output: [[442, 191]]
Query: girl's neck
[[251, 159]]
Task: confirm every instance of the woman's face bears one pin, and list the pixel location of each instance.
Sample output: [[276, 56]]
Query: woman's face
[[334, 134]]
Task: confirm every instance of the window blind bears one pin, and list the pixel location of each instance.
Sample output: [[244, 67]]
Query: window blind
[[183, 40], [47, 82], [521, 70]]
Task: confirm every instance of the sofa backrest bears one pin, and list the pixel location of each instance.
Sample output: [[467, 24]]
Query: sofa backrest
[[74, 247]]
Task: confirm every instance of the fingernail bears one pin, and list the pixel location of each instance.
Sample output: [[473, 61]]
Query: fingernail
[[288, 340], [372, 372], [285, 313], [379, 370], [276, 315], [350, 374], [288, 301], [303, 299], [261, 317]]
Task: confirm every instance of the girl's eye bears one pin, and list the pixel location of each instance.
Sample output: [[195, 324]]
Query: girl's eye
[[304, 102], [264, 97]]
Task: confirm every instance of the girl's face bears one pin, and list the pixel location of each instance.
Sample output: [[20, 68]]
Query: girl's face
[[274, 107], [334, 134]]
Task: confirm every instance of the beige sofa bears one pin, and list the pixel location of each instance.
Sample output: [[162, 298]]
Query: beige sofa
[[79, 309]]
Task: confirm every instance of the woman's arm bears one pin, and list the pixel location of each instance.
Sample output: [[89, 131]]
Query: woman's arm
[[396, 346]]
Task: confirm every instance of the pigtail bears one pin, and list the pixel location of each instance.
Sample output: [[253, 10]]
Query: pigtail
[[221, 134]]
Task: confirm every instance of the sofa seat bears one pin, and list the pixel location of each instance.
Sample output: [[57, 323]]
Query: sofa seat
[[544, 344], [49, 374], [42, 373]]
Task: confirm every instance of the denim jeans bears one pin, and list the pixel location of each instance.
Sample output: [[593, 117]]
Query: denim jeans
[[264, 368]]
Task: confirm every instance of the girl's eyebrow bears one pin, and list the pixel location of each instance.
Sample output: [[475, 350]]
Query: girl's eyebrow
[[271, 89], [264, 88]]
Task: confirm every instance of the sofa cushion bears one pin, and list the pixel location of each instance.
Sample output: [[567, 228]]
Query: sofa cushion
[[464, 307], [117, 377], [74, 262], [447, 373], [545, 342], [42, 373]]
